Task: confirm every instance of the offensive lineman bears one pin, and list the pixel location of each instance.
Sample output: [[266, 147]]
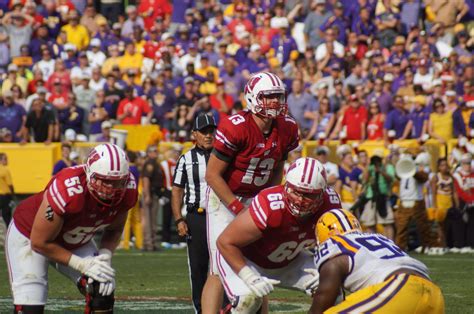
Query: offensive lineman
[[249, 155], [57, 225], [382, 277], [265, 244]]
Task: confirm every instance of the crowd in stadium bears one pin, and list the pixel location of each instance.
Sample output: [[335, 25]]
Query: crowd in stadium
[[354, 70]]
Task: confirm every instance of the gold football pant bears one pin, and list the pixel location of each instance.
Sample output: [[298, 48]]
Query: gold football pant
[[401, 293], [134, 223]]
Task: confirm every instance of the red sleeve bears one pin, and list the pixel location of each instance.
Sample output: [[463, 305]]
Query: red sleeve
[[464, 195], [65, 198], [259, 212], [293, 138], [120, 108], [145, 106], [228, 135]]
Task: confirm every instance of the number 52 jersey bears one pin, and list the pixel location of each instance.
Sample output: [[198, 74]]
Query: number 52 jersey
[[372, 257], [69, 197], [252, 156]]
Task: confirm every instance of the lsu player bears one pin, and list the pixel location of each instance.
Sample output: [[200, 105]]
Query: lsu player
[[381, 277], [249, 154], [265, 245], [57, 225]]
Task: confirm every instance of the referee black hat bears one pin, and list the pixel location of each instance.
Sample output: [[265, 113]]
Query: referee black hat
[[202, 121]]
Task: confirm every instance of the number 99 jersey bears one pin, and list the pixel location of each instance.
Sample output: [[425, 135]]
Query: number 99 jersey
[[372, 257], [69, 197], [252, 157]]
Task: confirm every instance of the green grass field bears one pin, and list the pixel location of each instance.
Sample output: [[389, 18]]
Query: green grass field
[[158, 283]]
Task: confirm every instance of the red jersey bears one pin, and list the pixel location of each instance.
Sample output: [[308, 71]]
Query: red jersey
[[283, 235], [135, 107], [252, 157], [354, 119], [69, 197], [464, 185]]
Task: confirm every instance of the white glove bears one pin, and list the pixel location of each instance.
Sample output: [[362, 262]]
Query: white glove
[[106, 288], [93, 267], [259, 285], [312, 284]]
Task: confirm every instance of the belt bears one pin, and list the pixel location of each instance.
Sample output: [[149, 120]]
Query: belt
[[407, 271], [195, 209]]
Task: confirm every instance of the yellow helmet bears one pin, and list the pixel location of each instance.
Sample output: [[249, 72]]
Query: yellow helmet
[[335, 222]]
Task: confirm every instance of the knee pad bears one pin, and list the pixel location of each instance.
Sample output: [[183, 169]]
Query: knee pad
[[28, 309], [95, 303], [246, 304]]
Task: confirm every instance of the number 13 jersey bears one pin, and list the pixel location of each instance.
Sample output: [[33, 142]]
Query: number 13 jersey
[[252, 156], [69, 197], [372, 257]]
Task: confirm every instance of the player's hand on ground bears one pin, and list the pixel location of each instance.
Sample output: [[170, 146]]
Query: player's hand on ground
[[106, 288], [93, 267], [312, 284], [259, 285]]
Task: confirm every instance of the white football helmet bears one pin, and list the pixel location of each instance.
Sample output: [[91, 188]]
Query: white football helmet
[[265, 95], [304, 187], [107, 172]]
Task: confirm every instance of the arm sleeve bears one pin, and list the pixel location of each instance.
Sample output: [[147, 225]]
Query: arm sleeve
[[227, 136], [260, 214], [180, 177]]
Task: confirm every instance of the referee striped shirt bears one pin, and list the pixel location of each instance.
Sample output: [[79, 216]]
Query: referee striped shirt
[[190, 175]]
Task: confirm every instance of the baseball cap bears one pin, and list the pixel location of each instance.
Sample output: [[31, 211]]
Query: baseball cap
[[95, 42], [70, 135], [188, 79], [202, 121], [322, 150], [399, 40], [189, 11], [336, 67], [117, 26], [8, 93], [41, 90], [12, 67], [106, 125], [320, 1], [209, 40], [69, 46], [450, 93], [255, 47]]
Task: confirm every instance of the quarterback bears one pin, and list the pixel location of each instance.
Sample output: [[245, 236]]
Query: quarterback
[[265, 245], [56, 226], [250, 150], [381, 277]]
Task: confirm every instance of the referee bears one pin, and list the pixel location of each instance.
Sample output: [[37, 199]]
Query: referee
[[189, 183]]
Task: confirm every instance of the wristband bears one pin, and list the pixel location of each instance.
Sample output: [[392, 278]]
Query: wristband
[[75, 262], [179, 220], [105, 251], [236, 206]]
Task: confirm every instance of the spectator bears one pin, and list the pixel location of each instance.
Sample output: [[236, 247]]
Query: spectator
[[111, 9], [95, 56], [354, 120], [448, 13], [329, 50], [58, 97], [302, 107], [72, 116], [221, 101], [419, 118], [239, 25], [324, 120], [378, 179], [313, 23], [65, 161], [383, 99], [133, 19], [348, 185], [398, 121], [7, 192], [12, 116], [234, 82], [84, 94], [19, 29], [180, 125], [39, 123], [18, 97], [355, 78], [131, 59], [332, 170], [152, 10], [105, 135], [409, 15], [387, 21], [113, 95], [60, 73], [132, 108], [97, 115], [14, 79], [440, 125], [283, 45], [76, 33], [81, 69], [337, 22], [423, 76], [91, 19], [376, 120]]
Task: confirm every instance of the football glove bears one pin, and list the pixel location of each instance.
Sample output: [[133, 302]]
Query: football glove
[[93, 267], [106, 288], [259, 285], [312, 284]]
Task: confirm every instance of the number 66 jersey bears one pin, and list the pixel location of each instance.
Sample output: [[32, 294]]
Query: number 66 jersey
[[69, 197], [252, 156], [372, 258]]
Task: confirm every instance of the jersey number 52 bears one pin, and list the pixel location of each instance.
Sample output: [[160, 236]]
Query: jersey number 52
[[73, 186]]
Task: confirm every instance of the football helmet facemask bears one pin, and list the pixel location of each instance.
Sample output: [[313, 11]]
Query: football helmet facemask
[[265, 95], [335, 222], [304, 187], [107, 172]]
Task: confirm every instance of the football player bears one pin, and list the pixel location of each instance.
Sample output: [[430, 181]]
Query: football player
[[249, 155], [381, 277], [265, 245], [57, 226]]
